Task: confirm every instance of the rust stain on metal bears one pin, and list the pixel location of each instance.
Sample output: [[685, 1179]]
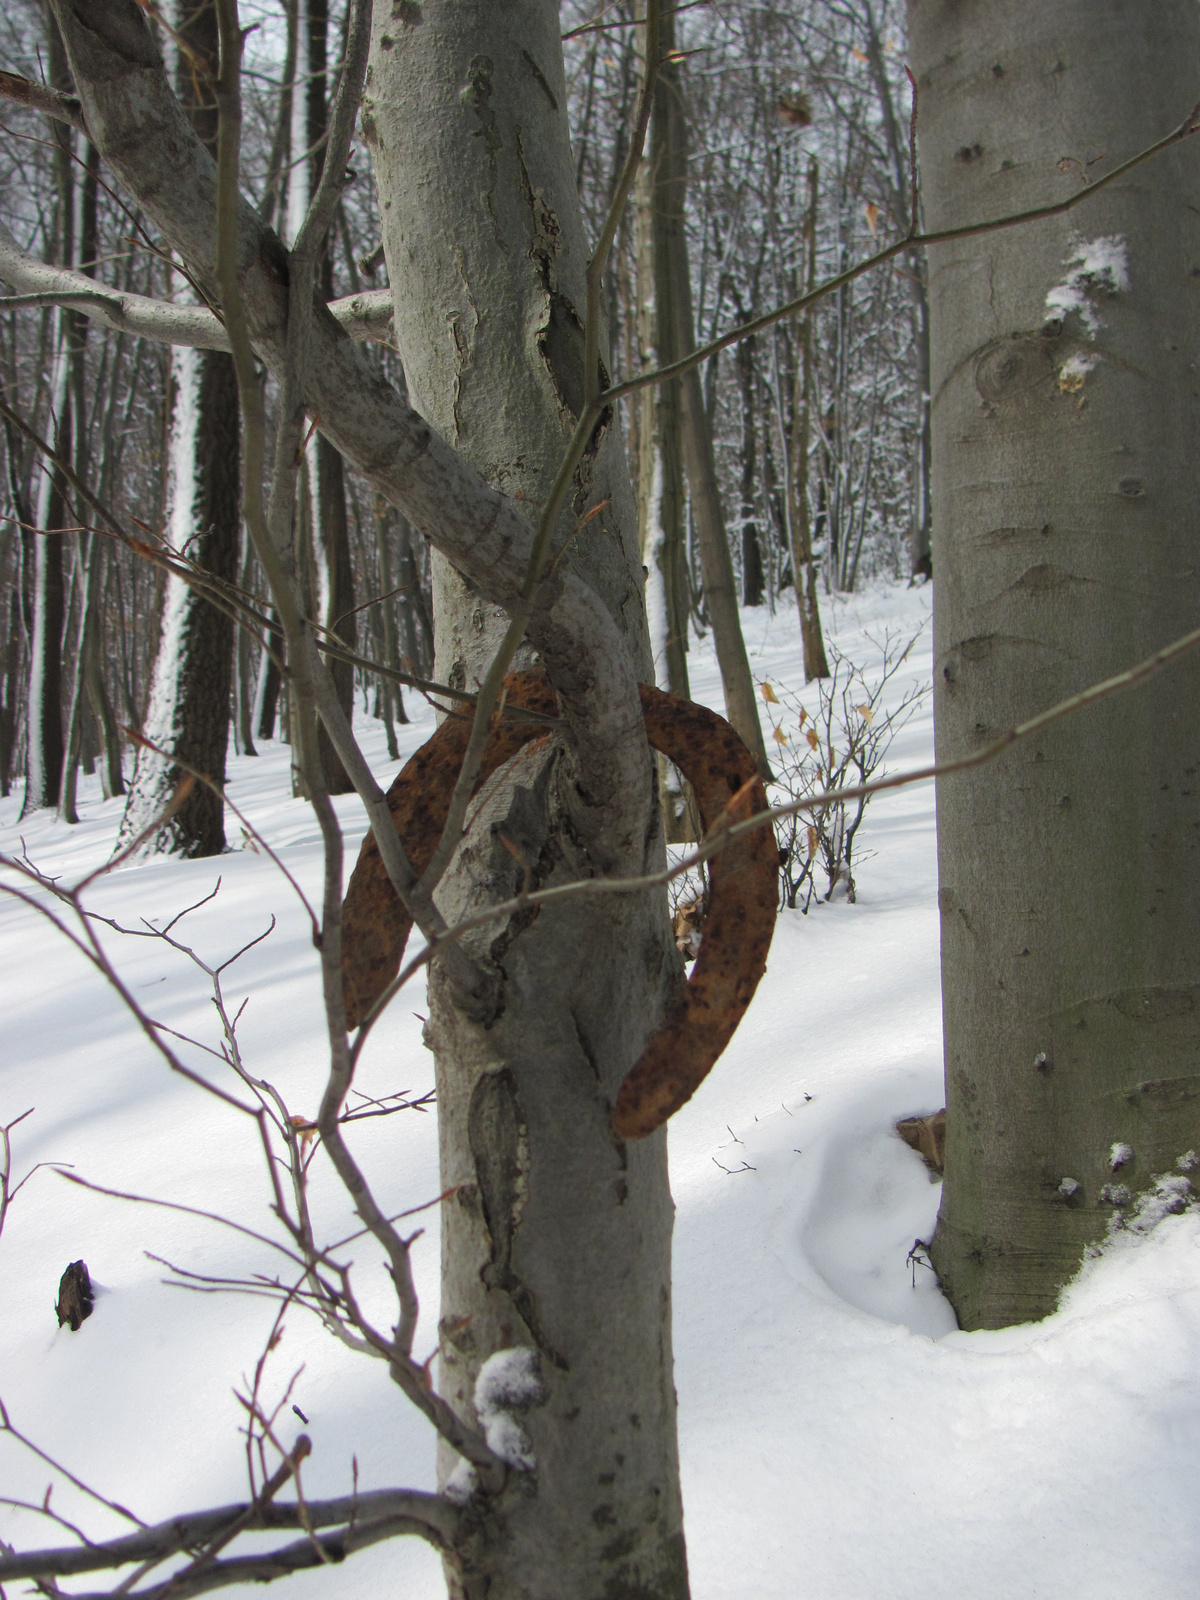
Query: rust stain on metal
[[742, 903]]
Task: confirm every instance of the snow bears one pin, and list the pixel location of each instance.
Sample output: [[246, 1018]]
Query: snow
[[839, 1437], [509, 1382], [1095, 267]]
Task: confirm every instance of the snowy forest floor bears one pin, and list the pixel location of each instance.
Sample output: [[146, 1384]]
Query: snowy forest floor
[[840, 1439]]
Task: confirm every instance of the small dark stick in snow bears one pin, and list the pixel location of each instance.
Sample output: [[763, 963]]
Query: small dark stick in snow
[[301, 1415]]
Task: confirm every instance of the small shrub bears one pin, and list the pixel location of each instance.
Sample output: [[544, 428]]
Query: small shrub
[[839, 746]]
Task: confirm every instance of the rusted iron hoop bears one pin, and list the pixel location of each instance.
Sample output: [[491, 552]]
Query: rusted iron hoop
[[742, 900]]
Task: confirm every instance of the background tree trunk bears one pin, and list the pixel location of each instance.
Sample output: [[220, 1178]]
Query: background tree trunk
[[1065, 536], [334, 587], [661, 503], [720, 594], [558, 1237], [44, 743], [804, 572], [189, 706]]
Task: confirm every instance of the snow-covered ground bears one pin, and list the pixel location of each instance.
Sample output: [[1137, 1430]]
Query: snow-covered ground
[[840, 1439]]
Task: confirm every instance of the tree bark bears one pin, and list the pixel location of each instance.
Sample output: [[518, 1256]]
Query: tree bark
[[921, 526], [243, 672], [334, 589], [661, 502], [752, 565], [1065, 529], [44, 742], [86, 557], [716, 563], [188, 713], [558, 1238], [804, 572]]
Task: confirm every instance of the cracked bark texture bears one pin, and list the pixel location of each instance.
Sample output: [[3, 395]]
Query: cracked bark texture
[[1065, 539], [558, 1234]]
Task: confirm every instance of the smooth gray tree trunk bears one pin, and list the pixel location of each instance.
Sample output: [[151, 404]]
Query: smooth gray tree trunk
[[558, 1236], [716, 562], [804, 572], [334, 588], [661, 499], [1065, 536]]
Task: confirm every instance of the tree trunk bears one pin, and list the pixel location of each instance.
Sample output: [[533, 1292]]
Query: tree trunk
[[1065, 531], [716, 563], [920, 528], [86, 555], [188, 713], [10, 665], [386, 612], [921, 533], [661, 503], [266, 693], [44, 746], [44, 743], [187, 718], [804, 572], [752, 566], [333, 589], [558, 1238], [243, 669]]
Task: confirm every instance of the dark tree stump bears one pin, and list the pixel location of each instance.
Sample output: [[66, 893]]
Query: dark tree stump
[[75, 1297]]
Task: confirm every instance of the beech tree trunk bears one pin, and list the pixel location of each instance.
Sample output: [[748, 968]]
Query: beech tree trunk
[[752, 565], [188, 713], [44, 742], [558, 1236], [716, 563], [661, 500], [44, 745], [334, 586], [1065, 533], [804, 571]]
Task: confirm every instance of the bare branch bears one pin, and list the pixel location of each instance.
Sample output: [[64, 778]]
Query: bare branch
[[341, 132], [367, 315], [40, 97], [438, 1516]]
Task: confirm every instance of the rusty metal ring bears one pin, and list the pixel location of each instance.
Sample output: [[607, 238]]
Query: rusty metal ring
[[742, 902]]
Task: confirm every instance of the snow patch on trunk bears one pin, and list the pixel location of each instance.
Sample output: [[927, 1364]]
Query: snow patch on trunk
[[1095, 268], [509, 1383]]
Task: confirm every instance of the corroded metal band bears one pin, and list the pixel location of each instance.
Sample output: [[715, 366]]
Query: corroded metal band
[[742, 903]]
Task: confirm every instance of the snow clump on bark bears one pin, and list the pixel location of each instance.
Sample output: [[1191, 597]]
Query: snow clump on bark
[[1094, 268], [509, 1382]]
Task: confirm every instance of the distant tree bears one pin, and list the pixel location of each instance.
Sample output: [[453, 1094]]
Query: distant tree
[[188, 714]]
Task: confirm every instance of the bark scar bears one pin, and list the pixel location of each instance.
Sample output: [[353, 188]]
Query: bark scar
[[742, 906], [499, 1144], [476, 93]]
